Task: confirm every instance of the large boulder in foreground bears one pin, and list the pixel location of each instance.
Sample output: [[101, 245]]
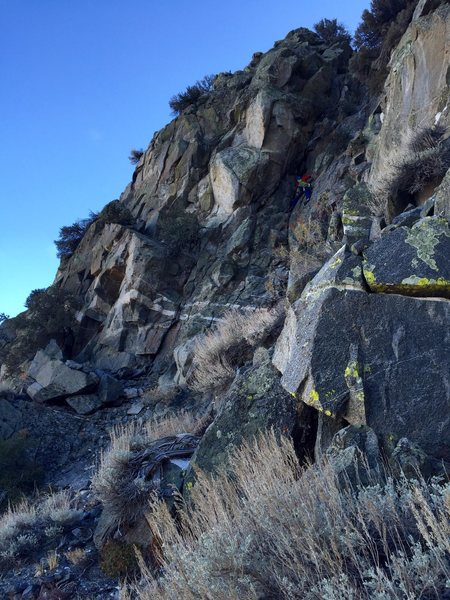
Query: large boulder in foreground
[[411, 261], [374, 359]]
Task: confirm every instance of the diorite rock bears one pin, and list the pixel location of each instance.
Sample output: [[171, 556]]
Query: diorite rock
[[411, 261]]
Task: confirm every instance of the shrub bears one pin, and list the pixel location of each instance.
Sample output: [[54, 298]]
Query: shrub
[[177, 228], [118, 560], [3, 317], [70, 236], [422, 159], [51, 313], [378, 33], [135, 156], [218, 353], [115, 212], [26, 526], [276, 532], [191, 95], [124, 496], [19, 474], [332, 32]]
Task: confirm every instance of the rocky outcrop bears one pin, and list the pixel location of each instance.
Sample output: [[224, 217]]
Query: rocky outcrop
[[255, 403], [374, 359], [210, 200], [413, 262], [416, 94]]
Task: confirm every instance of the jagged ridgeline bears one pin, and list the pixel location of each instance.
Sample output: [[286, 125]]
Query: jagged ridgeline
[[214, 330]]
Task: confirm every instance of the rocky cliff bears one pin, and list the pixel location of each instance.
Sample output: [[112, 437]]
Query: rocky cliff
[[343, 301]]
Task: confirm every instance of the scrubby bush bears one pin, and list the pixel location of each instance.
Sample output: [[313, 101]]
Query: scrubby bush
[[375, 23], [26, 527], [191, 94], [421, 159], [218, 353], [70, 236], [135, 156], [378, 33], [115, 212], [177, 228], [50, 314], [116, 484], [118, 560], [3, 317], [19, 474], [276, 532], [332, 32]]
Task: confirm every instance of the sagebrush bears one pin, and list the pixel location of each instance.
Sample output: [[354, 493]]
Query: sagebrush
[[27, 526], [277, 532]]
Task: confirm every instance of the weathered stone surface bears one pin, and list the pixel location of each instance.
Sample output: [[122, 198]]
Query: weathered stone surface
[[442, 203], [51, 352], [408, 217], [255, 403], [356, 217], [234, 176], [413, 262], [84, 404], [59, 381], [110, 390], [417, 91], [403, 354], [355, 456]]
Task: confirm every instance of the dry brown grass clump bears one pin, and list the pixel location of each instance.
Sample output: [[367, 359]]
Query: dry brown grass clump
[[277, 533], [117, 484], [423, 158], [218, 353]]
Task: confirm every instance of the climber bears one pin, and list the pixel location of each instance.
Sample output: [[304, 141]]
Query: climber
[[304, 185]]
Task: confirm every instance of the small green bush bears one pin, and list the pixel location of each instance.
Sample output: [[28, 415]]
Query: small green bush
[[378, 33], [70, 236], [332, 32], [135, 156], [191, 94], [118, 560], [116, 212], [51, 313]]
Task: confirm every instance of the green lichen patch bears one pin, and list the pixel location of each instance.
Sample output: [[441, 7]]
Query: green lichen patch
[[424, 238]]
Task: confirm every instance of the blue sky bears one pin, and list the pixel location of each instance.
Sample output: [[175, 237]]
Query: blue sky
[[83, 82]]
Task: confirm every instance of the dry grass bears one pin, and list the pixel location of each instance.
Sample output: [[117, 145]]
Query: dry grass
[[24, 526], [124, 496], [219, 352], [276, 533], [421, 159], [76, 556]]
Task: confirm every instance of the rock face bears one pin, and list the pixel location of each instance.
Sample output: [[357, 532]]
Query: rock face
[[210, 201], [255, 403], [374, 359], [414, 262], [365, 340], [417, 91]]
